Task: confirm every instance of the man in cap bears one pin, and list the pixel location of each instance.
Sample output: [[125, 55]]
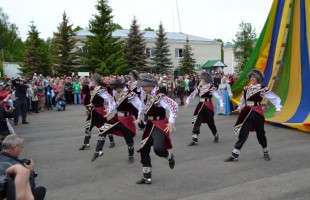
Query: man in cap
[[204, 112], [97, 109], [156, 132], [122, 124], [20, 103], [251, 114]]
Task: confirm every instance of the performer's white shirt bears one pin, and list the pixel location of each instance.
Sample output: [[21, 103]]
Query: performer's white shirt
[[167, 104], [215, 93], [135, 101], [269, 95], [103, 93]]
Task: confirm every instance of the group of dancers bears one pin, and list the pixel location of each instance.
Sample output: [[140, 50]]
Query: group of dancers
[[140, 102]]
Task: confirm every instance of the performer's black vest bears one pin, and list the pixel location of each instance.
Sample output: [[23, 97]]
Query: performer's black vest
[[155, 111], [124, 106]]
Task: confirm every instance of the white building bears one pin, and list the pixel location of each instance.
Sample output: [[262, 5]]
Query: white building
[[229, 60], [203, 49]]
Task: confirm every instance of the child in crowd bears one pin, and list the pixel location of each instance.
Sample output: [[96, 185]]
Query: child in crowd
[[61, 102]]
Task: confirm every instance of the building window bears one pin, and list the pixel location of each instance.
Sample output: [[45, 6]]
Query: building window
[[150, 52], [178, 53]]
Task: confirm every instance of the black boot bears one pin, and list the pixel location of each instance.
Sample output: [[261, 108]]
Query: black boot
[[194, 141], [131, 150], [234, 156], [266, 157], [216, 138], [100, 143], [96, 155], [230, 159], [131, 159], [266, 154], [112, 143], [171, 160], [147, 176], [85, 145]]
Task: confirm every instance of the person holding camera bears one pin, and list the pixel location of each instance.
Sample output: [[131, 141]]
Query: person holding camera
[[12, 147], [21, 100], [14, 182], [5, 113]]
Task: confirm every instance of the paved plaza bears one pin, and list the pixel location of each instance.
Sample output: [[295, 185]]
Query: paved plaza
[[53, 139]]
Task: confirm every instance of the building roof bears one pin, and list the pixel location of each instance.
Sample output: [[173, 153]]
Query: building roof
[[149, 35], [213, 63]]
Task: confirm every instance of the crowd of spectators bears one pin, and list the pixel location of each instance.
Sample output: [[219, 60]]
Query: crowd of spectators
[[38, 93]]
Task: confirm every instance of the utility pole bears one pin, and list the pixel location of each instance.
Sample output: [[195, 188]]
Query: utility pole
[[178, 15]]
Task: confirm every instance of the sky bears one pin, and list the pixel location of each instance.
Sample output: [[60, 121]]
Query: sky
[[205, 18]]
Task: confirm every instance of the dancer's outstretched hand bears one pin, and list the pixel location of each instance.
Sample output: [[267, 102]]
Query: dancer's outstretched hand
[[236, 111], [170, 127], [277, 113], [186, 105], [137, 121]]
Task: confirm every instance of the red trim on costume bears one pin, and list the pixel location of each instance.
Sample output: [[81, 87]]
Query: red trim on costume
[[172, 105]]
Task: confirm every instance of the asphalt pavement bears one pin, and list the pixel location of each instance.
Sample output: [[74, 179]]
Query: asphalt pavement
[[53, 139]]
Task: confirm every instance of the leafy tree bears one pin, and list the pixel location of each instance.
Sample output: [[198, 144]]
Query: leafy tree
[[222, 50], [244, 45], [11, 45], [35, 58], [104, 53], [161, 62], [149, 29], [77, 28], [229, 44], [187, 63], [135, 48], [63, 54]]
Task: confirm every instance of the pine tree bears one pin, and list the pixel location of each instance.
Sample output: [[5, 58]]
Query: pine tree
[[33, 57], [135, 48], [46, 56], [187, 62], [63, 56], [244, 45], [161, 62], [104, 53]]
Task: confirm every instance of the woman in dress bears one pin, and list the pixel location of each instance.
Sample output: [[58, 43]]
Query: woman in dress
[[225, 90]]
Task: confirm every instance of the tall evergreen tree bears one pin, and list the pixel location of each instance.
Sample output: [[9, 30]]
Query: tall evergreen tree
[[34, 59], [244, 45], [135, 48], [46, 56], [63, 56], [187, 62], [161, 62], [104, 53]]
